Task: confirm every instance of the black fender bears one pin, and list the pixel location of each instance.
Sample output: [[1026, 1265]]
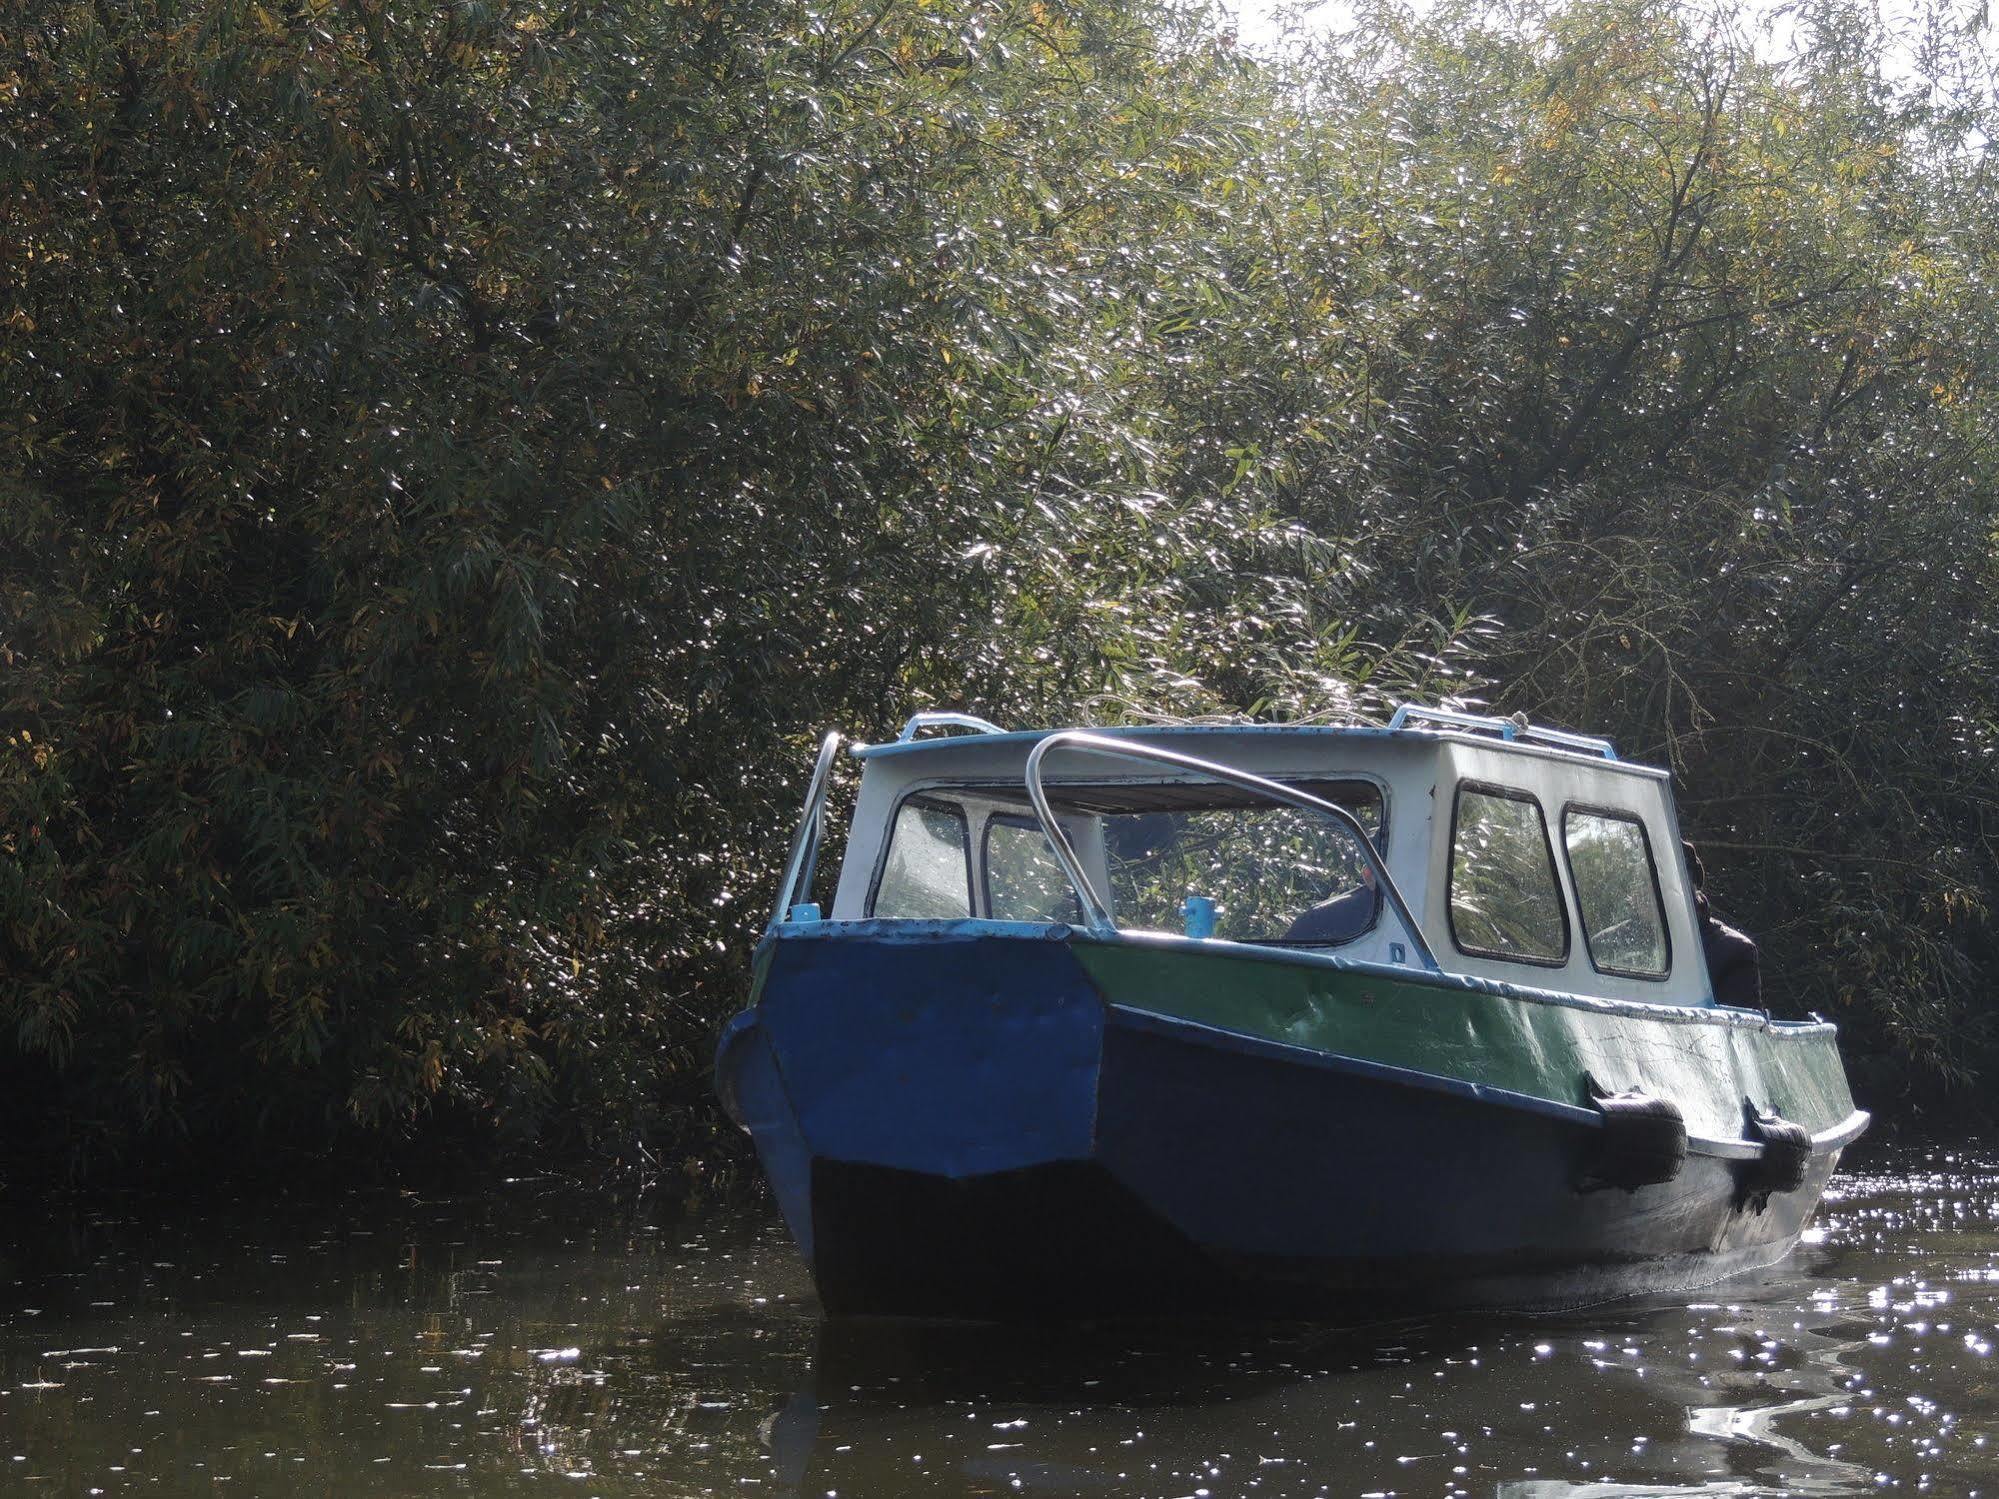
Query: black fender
[[1786, 1158], [1643, 1141]]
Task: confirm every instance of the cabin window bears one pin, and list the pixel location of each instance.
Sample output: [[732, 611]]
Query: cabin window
[[1275, 873], [928, 873], [1505, 899], [1023, 880], [1617, 892]]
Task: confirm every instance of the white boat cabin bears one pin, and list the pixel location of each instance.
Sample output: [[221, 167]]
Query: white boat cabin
[[1523, 855]]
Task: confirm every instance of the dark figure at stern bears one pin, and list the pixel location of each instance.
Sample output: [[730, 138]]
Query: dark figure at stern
[[1732, 962]]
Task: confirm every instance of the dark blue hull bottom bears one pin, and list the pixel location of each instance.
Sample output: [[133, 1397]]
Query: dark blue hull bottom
[[1199, 1199], [1061, 1243]]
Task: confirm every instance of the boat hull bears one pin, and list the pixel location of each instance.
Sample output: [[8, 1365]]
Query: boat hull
[[962, 1123]]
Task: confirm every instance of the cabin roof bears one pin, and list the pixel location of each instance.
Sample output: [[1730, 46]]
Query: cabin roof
[[937, 756]]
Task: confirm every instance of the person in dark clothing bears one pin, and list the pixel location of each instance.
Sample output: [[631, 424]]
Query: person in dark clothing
[[1733, 964], [1340, 919]]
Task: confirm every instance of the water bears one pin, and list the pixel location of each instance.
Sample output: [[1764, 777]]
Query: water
[[535, 1342]]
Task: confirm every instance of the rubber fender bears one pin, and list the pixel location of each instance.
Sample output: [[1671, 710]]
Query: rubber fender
[[1787, 1152], [1643, 1142]]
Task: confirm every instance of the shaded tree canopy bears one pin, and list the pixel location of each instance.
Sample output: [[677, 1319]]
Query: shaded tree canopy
[[453, 457]]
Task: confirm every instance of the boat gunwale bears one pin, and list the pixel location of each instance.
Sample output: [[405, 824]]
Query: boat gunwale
[[904, 930]]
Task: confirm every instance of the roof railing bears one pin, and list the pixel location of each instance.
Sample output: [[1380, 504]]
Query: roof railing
[[944, 719], [1413, 715]]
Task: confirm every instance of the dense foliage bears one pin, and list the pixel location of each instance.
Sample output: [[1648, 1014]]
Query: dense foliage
[[452, 457]]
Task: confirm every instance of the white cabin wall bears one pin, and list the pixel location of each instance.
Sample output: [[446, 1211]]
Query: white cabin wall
[[1557, 780], [872, 811], [1419, 774], [883, 792], [1405, 766]]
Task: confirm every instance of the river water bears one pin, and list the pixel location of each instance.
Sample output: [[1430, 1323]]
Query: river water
[[538, 1341]]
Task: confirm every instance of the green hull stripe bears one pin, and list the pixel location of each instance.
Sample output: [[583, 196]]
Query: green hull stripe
[[1538, 1047]]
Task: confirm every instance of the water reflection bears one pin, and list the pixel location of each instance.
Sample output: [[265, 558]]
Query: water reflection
[[411, 1347]]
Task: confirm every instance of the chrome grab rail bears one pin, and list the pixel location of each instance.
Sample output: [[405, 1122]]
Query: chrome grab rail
[[1097, 914], [945, 719], [1506, 728], [805, 843], [1589, 744]]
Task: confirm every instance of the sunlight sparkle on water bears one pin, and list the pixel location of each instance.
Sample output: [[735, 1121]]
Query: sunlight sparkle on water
[[541, 1337]]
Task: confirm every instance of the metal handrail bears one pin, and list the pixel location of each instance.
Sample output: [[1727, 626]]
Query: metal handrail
[[1506, 728], [811, 825], [945, 719], [1561, 738], [1096, 912]]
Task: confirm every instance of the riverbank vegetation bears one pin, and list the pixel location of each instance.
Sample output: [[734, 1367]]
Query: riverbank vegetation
[[453, 459]]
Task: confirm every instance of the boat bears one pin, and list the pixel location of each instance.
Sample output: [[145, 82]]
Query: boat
[[1300, 1021]]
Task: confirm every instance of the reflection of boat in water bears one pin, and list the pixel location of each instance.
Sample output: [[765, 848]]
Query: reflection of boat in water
[[1052, 1407], [1744, 1411], [1435, 1026], [1531, 1407], [1371, 1409]]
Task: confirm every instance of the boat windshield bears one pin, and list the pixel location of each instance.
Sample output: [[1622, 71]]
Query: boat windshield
[[1274, 873]]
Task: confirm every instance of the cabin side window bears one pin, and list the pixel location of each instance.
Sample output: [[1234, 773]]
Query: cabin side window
[[1505, 898], [927, 875], [1023, 880], [1617, 892]]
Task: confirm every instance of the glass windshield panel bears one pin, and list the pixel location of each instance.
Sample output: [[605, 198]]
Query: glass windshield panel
[[1023, 881], [1505, 902], [1617, 893], [928, 874], [1275, 873]]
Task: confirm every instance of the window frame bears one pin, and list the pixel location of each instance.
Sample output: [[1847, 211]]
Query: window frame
[[1514, 794], [925, 798], [1025, 824], [1619, 814]]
